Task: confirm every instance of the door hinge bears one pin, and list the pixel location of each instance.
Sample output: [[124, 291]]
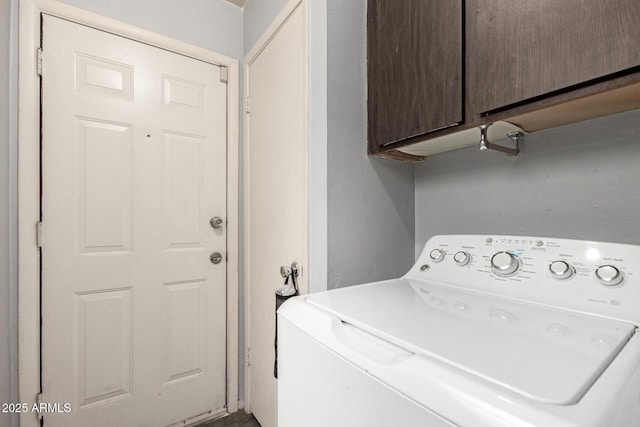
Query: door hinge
[[224, 74], [39, 413], [247, 105], [248, 356], [39, 234], [39, 61]]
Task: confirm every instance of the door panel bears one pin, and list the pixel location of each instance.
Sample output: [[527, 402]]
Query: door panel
[[188, 320], [276, 195], [104, 350], [133, 168], [104, 185], [414, 68], [182, 159]]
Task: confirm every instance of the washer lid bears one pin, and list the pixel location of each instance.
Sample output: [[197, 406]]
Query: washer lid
[[543, 353]]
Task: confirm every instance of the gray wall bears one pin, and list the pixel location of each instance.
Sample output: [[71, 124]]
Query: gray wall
[[8, 207], [211, 24], [371, 201], [578, 181], [258, 15]]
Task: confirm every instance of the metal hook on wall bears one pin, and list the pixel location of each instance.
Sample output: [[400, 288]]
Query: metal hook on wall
[[294, 270], [486, 145]]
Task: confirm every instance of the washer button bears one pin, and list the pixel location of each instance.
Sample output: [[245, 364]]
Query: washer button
[[437, 255], [560, 270], [608, 275], [504, 264], [462, 258]]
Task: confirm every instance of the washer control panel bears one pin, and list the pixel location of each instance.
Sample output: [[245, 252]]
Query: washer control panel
[[597, 277]]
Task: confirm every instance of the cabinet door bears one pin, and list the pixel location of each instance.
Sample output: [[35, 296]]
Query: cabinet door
[[531, 48], [414, 68]]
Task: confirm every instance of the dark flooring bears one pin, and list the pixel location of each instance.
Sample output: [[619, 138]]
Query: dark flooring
[[238, 419]]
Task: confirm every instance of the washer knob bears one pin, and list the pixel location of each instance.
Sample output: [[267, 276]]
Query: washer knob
[[608, 275], [504, 263], [437, 255], [560, 270], [462, 258]]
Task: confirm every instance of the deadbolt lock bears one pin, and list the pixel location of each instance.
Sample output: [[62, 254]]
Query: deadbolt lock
[[216, 222], [216, 257]]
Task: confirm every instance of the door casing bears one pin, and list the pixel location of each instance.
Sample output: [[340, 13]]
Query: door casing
[[29, 186]]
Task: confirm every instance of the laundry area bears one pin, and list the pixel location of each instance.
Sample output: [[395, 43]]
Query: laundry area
[[284, 213]]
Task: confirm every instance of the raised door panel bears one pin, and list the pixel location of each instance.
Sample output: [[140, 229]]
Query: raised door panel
[[414, 68], [103, 156], [102, 324], [526, 49], [186, 331]]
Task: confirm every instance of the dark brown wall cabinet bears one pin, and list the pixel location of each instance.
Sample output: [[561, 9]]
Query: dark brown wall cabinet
[[436, 67], [414, 68], [526, 49]]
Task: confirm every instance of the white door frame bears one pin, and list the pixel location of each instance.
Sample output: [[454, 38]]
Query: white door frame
[[253, 54], [29, 186]]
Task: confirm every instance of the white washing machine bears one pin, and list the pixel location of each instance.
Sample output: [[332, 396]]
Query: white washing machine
[[484, 331]]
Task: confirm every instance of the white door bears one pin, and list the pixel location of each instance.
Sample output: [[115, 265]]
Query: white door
[[134, 167], [275, 196]]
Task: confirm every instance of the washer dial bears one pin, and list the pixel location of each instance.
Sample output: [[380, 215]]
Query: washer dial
[[608, 275], [504, 263], [437, 255], [560, 270], [462, 258]]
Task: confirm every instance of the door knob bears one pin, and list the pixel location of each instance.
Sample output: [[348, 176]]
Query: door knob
[[216, 257], [216, 222]]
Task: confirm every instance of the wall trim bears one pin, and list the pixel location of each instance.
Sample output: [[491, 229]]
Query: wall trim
[[29, 185]]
